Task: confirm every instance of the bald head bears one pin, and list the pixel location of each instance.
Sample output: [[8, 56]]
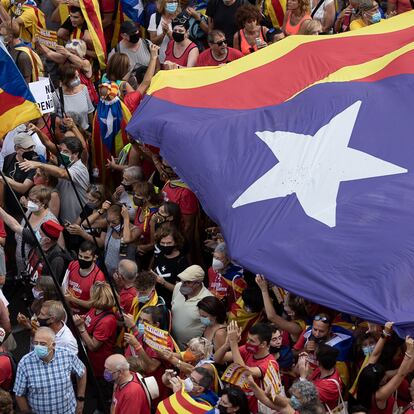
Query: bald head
[[116, 362], [45, 334], [128, 269]]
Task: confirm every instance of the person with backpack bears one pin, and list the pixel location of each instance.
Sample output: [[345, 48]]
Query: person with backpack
[[7, 365]]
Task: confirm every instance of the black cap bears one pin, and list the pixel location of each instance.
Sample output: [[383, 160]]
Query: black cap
[[129, 27]]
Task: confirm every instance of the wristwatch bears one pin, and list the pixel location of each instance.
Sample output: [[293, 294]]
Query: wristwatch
[[80, 398]]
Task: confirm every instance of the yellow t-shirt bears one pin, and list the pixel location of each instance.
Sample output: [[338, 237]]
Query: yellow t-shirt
[[357, 24]]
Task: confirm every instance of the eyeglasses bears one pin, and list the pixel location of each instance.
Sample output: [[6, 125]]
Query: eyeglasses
[[180, 20], [323, 319], [220, 43]]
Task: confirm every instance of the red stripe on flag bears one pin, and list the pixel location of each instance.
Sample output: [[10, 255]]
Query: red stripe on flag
[[405, 61], [9, 101], [167, 406], [294, 71], [188, 406], [90, 8], [280, 14]]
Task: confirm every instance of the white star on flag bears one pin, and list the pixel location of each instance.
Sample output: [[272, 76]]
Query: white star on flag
[[312, 167], [109, 122]]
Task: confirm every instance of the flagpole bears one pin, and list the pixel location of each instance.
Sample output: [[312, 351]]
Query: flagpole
[[100, 256], [58, 289]]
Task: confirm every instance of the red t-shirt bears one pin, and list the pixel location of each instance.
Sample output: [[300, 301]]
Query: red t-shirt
[[103, 329], [2, 229], [80, 286], [6, 372], [262, 364], [182, 60], [132, 100], [126, 297], [206, 58], [327, 389], [182, 196], [130, 398], [106, 7]]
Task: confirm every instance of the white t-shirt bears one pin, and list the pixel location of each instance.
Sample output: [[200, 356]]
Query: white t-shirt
[[65, 339], [153, 28], [320, 13]]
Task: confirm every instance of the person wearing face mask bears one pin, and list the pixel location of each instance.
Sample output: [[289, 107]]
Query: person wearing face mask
[[80, 277], [186, 322], [130, 395], [43, 379], [326, 377], [136, 48], [169, 259], [70, 153], [303, 394], [98, 330], [197, 386], [151, 361], [225, 279], [38, 213], [52, 314], [124, 193], [254, 355], [323, 332], [369, 13], [159, 28], [232, 401], [181, 51], [75, 96], [282, 353]]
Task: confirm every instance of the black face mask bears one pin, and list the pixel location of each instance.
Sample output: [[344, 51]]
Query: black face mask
[[178, 37], [222, 409], [134, 38], [166, 250], [29, 155], [127, 187], [85, 264], [42, 322], [274, 349], [139, 202]]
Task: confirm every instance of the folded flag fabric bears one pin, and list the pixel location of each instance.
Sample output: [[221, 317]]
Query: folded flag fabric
[[302, 152], [17, 104]]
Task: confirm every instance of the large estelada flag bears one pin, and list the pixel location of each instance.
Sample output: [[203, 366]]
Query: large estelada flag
[[303, 153], [17, 104]]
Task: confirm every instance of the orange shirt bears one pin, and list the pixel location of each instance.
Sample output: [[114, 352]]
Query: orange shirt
[[292, 30]]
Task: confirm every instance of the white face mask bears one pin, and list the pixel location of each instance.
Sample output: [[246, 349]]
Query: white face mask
[[32, 207], [188, 384], [217, 264]]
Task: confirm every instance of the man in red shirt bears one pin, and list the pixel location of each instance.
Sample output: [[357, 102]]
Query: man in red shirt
[[254, 355], [80, 277], [129, 396], [218, 53], [125, 277], [6, 370], [326, 377]]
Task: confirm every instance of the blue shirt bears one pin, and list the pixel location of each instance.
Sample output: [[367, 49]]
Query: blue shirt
[[47, 386]]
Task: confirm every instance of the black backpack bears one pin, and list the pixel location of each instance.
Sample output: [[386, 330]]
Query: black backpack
[[13, 364]]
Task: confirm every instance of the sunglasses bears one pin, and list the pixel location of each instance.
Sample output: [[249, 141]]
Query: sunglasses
[[220, 43], [323, 319], [180, 20]]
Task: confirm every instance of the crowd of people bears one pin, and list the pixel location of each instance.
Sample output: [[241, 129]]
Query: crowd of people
[[126, 292]]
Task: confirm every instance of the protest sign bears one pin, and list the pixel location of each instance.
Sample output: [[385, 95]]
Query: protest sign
[[42, 92]]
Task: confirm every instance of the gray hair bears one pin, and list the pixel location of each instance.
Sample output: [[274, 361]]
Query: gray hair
[[128, 269], [48, 331], [55, 310], [221, 248], [307, 391], [134, 172], [211, 37], [118, 362]]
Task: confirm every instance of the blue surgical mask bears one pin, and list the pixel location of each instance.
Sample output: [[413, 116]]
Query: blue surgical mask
[[141, 329], [117, 228], [144, 298], [171, 7], [368, 350], [205, 321], [375, 18], [295, 403], [42, 351]]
